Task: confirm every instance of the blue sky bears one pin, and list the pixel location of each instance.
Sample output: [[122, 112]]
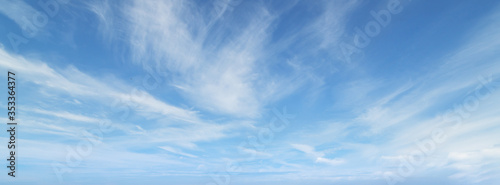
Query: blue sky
[[254, 92]]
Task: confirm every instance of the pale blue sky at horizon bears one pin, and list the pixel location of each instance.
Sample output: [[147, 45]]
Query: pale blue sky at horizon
[[253, 92]]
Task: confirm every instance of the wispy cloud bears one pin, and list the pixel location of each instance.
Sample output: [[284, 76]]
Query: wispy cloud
[[67, 115], [222, 64], [220, 61], [70, 81], [319, 156], [19, 12], [78, 84], [175, 151]]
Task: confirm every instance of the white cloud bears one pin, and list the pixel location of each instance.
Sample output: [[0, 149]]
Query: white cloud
[[475, 166], [175, 151], [67, 115], [79, 84], [332, 162], [318, 156], [106, 92], [18, 11], [219, 62], [309, 150]]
